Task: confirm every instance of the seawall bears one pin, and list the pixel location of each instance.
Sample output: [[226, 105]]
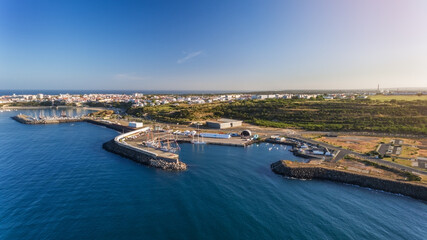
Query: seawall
[[116, 127], [303, 171], [25, 120], [143, 157]]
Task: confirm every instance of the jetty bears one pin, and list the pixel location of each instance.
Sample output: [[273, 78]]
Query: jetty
[[321, 171], [50, 120], [150, 156]]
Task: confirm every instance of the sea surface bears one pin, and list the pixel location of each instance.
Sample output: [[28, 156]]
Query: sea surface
[[56, 182]]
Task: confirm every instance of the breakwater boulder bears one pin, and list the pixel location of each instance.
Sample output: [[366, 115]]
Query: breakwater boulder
[[307, 171], [23, 119], [145, 159]]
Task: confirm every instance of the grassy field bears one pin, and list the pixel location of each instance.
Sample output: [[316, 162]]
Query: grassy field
[[312, 115], [409, 152], [384, 98], [400, 161], [355, 143]]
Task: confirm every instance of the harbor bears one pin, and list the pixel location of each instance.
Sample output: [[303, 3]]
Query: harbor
[[163, 143], [158, 145]]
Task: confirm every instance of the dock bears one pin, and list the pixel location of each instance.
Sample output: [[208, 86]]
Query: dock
[[126, 146]]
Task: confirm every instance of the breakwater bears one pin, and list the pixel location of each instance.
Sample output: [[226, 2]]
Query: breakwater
[[145, 158], [304, 171], [117, 127], [28, 120], [154, 158]]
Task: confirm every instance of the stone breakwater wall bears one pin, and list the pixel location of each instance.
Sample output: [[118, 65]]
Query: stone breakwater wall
[[143, 157], [113, 126], [22, 120], [318, 172], [25, 120]]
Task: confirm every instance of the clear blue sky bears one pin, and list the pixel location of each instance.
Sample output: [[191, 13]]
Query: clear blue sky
[[213, 45]]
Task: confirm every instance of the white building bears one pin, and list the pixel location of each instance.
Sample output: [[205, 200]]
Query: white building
[[136, 124]]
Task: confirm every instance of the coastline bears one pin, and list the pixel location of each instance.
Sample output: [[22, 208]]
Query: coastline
[[306, 171], [51, 107], [296, 170]]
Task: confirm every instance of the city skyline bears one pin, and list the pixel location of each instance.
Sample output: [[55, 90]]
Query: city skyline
[[203, 45]]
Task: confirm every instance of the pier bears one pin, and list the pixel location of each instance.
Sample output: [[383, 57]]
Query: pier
[[151, 156]]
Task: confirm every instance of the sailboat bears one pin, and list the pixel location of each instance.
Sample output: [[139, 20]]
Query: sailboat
[[198, 137]]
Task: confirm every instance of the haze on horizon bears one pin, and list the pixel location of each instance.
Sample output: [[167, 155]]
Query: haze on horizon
[[213, 45]]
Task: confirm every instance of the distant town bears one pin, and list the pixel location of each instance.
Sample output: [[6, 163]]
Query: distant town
[[141, 100]]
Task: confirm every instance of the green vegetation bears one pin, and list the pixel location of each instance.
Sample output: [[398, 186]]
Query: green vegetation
[[102, 113], [121, 105], [317, 115]]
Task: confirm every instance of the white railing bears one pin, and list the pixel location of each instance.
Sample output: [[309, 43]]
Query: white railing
[[124, 144]]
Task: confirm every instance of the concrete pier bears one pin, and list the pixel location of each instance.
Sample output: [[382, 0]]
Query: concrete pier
[[145, 155]]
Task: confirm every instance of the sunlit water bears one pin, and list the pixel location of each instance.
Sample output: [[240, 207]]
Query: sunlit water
[[56, 182]]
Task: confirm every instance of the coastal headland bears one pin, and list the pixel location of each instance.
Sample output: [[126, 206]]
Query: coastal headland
[[322, 172]]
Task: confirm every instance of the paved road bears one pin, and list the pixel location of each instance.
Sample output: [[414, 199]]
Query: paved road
[[390, 164], [371, 134], [342, 152]]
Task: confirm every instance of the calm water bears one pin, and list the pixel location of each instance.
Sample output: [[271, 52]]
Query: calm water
[[56, 182]]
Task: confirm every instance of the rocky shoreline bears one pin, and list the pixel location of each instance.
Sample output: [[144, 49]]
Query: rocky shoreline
[[143, 158], [304, 171], [26, 120]]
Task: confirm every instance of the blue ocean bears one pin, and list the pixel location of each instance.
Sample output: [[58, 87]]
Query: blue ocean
[[56, 182]]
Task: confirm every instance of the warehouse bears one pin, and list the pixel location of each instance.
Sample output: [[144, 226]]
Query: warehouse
[[224, 123], [135, 124]]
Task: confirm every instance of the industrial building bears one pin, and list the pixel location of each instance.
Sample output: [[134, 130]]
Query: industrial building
[[136, 124], [224, 123]]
